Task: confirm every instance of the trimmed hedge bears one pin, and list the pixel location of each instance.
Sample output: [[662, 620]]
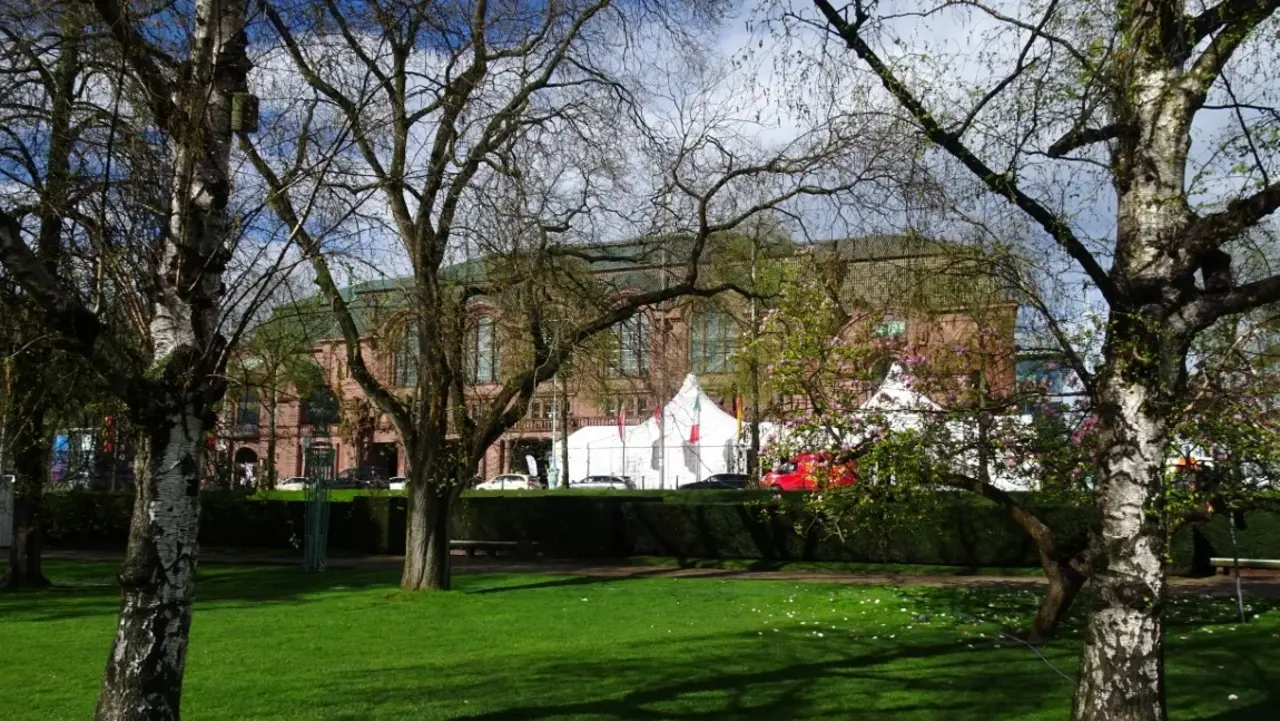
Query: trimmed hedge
[[961, 531]]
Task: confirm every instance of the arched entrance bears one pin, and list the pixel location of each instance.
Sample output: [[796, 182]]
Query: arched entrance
[[246, 467]]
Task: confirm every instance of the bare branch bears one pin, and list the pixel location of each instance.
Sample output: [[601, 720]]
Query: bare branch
[[1001, 184], [78, 329], [1080, 137]]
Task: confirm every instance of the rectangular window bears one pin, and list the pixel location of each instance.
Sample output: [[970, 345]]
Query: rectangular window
[[713, 340], [637, 407], [634, 338], [891, 329], [321, 409], [249, 412]]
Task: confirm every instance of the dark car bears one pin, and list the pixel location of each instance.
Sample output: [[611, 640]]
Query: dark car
[[719, 481], [360, 478]]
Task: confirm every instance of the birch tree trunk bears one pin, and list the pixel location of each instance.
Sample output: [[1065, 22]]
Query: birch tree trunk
[[1122, 663], [144, 673], [145, 669]]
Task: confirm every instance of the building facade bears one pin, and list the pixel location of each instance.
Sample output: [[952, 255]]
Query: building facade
[[635, 369]]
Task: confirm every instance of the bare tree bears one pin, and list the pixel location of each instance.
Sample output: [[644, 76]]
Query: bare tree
[[1117, 88], [509, 135]]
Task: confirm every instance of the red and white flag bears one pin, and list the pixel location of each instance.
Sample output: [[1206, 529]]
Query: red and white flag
[[694, 434]]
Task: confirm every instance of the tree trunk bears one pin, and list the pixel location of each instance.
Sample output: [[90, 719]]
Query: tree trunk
[[563, 465], [144, 672], [427, 563], [1066, 578], [1122, 662], [270, 477], [26, 568]]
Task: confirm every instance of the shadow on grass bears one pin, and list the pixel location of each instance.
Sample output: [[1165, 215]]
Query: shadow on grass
[[567, 579], [785, 682], [89, 589]]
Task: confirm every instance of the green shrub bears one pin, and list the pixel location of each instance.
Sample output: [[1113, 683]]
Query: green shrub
[[961, 530]]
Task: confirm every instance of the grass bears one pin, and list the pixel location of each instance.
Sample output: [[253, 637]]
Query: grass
[[272, 643], [901, 569]]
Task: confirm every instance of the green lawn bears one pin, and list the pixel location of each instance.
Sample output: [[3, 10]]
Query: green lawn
[[274, 643]]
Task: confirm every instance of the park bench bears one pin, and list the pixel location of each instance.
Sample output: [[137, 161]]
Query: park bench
[[523, 549], [1226, 564]]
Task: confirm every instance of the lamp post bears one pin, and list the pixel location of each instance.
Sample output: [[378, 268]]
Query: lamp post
[[319, 461]]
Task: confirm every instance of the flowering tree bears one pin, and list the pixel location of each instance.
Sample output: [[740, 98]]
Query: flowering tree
[[1090, 111], [834, 354]]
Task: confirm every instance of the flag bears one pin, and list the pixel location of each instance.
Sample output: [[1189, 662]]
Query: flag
[[657, 413], [622, 422], [697, 418], [739, 404]]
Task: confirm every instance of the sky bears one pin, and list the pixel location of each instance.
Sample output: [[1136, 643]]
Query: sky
[[759, 82]]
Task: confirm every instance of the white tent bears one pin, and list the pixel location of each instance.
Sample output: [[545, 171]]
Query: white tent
[[659, 454]]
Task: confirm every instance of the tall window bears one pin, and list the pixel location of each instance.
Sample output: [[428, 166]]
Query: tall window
[[406, 362], [249, 411], [713, 339], [321, 408], [482, 351], [634, 338]]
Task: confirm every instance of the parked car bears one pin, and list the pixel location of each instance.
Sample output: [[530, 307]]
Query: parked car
[[397, 483], [360, 479], [510, 482], [294, 483], [614, 482], [808, 471], [719, 481]]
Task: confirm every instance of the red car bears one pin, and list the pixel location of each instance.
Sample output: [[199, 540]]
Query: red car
[[807, 472]]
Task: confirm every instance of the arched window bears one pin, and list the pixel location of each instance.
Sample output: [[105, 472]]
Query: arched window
[[713, 339], [482, 351], [406, 362]]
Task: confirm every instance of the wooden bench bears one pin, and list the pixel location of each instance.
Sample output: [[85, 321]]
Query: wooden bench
[[1226, 564], [522, 549]]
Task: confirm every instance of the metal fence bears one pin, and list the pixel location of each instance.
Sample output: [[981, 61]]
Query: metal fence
[[6, 511], [656, 466]]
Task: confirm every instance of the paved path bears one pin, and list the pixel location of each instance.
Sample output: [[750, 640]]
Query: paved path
[[1260, 585]]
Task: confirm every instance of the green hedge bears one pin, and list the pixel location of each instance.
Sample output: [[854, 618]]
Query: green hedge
[[960, 531]]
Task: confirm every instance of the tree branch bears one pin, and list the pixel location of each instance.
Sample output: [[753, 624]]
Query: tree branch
[[78, 329], [1234, 21], [999, 183], [1209, 307], [140, 55], [1210, 231], [1077, 138], [356, 364], [1226, 13]]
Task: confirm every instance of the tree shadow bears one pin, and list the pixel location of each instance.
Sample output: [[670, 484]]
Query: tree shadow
[[926, 681], [83, 590], [566, 581]]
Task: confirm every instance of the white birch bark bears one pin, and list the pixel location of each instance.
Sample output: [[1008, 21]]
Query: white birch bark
[[144, 672]]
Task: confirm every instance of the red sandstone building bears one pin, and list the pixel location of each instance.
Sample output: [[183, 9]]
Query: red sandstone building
[[273, 421]]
